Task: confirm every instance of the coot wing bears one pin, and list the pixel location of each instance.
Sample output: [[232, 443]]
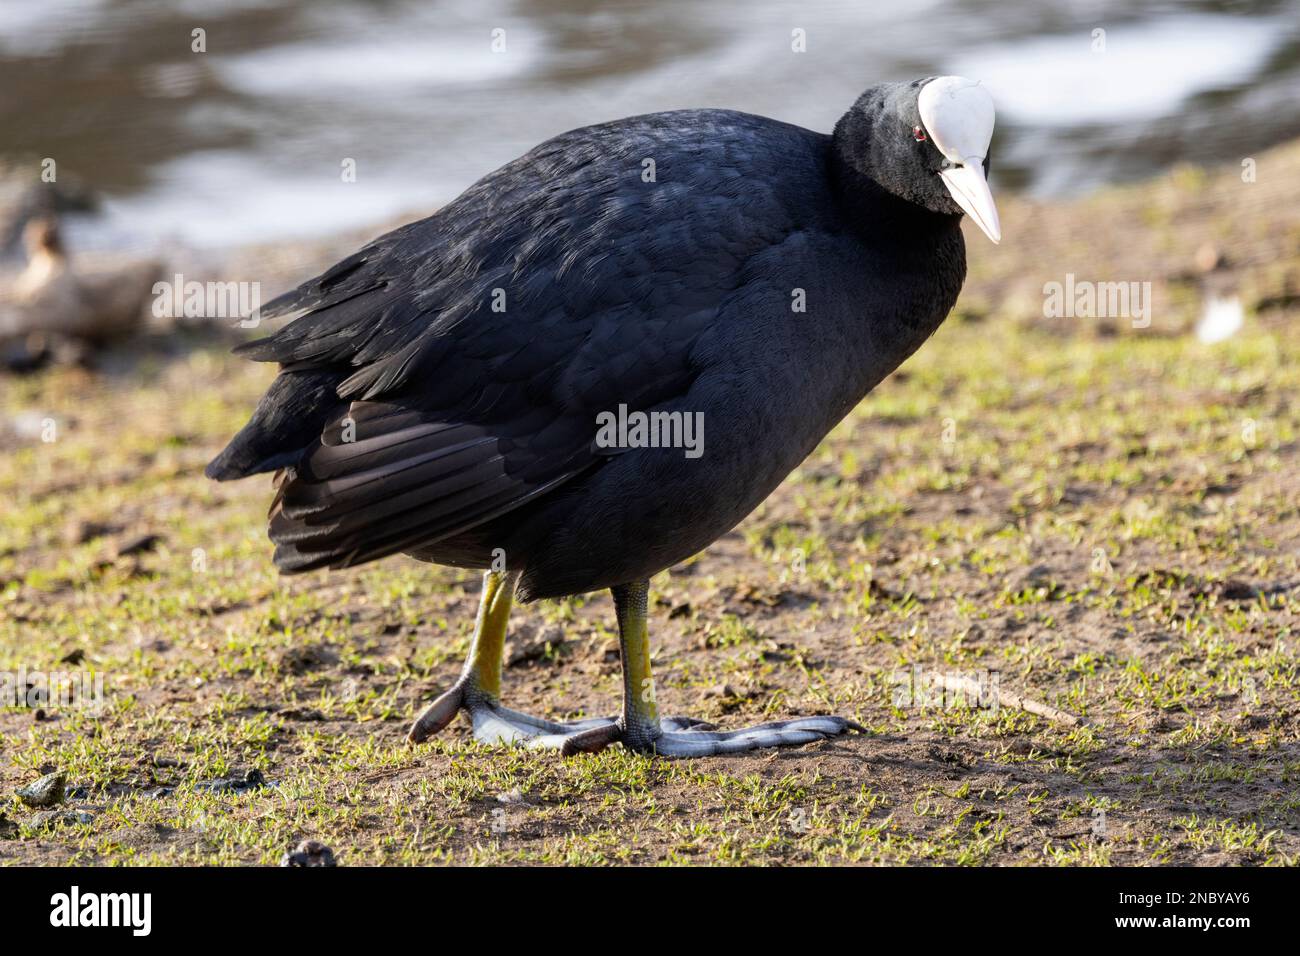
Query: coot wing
[[477, 347]]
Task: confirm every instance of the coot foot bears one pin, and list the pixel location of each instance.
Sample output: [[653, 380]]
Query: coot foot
[[776, 733], [684, 737], [495, 724]]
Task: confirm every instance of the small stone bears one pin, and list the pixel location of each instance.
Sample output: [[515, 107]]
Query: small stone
[[309, 853], [48, 818], [514, 796], [46, 792], [527, 648], [302, 714], [772, 651], [137, 544], [1237, 590], [253, 780], [300, 660]]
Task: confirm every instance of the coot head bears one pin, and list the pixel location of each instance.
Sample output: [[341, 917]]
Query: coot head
[[927, 142]]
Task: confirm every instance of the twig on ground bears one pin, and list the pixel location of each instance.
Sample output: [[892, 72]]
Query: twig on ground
[[979, 690]]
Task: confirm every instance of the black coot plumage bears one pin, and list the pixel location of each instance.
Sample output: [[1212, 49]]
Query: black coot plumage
[[440, 390]]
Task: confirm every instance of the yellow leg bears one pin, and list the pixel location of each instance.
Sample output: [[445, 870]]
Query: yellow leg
[[480, 681], [640, 709], [482, 673]]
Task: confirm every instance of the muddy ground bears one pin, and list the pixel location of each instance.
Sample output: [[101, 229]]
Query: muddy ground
[[1103, 517]]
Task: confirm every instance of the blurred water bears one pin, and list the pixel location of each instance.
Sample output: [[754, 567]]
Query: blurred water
[[245, 142]]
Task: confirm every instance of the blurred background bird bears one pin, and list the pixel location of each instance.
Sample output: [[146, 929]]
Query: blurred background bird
[[58, 308]]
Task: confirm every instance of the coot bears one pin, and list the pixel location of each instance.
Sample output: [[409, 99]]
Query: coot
[[604, 355]]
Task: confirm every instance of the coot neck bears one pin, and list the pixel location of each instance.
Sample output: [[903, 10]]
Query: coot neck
[[875, 213], [905, 238]]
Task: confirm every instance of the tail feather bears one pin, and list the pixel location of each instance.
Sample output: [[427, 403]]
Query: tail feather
[[287, 422]]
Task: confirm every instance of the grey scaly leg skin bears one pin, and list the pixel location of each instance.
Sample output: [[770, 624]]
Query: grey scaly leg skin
[[478, 690], [640, 728]]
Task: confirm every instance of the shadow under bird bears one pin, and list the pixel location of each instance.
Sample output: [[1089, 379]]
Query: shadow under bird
[[445, 392]]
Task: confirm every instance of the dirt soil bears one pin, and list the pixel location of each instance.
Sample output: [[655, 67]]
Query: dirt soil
[[1097, 518]]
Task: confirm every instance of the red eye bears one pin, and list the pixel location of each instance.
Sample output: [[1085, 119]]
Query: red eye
[[918, 134]]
